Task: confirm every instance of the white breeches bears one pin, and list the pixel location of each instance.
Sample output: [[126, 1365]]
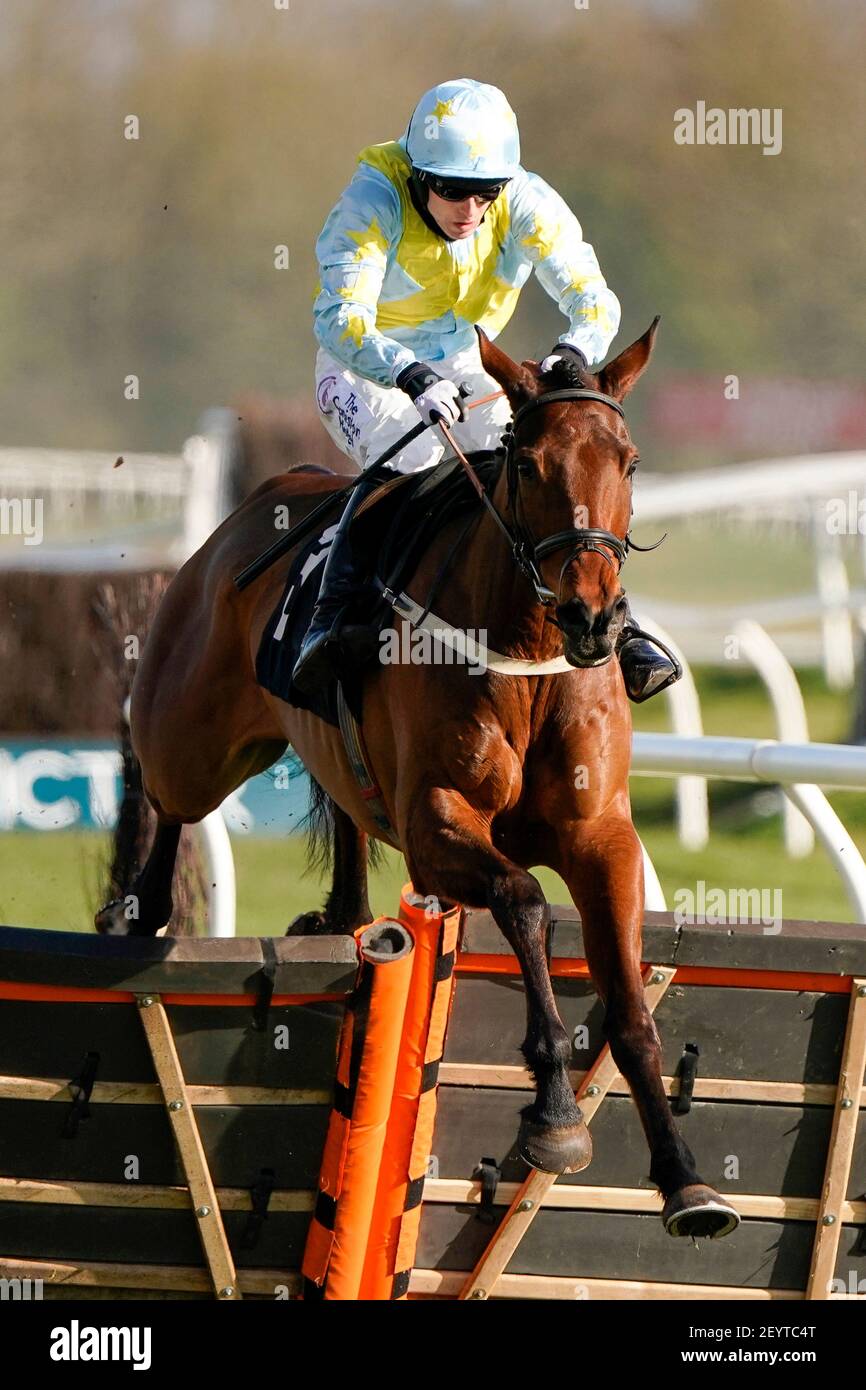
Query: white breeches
[[365, 419]]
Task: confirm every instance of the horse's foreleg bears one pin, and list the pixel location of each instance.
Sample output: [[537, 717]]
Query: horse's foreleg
[[148, 905], [603, 867], [450, 855]]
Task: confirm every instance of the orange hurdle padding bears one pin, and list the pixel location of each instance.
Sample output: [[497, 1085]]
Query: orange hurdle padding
[[366, 1070], [394, 1227]]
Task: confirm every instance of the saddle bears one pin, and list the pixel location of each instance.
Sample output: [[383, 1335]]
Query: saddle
[[393, 528]]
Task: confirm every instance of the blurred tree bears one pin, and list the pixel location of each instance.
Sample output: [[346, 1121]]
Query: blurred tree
[[155, 257]]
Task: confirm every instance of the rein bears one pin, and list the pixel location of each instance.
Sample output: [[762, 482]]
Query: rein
[[526, 551]]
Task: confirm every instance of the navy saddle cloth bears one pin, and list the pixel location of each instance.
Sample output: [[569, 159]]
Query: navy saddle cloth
[[396, 530]]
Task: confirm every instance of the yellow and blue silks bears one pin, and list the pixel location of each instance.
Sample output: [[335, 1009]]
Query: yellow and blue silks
[[391, 291]]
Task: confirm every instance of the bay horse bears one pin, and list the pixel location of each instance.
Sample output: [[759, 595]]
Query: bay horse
[[482, 777]]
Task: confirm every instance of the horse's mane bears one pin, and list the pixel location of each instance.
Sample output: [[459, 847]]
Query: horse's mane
[[564, 373]]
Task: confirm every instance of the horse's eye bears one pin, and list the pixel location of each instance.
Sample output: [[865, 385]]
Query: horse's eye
[[632, 468], [527, 467]]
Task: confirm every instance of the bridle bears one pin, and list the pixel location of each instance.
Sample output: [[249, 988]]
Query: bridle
[[526, 551]]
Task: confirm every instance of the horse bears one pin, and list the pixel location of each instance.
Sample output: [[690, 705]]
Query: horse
[[483, 777]]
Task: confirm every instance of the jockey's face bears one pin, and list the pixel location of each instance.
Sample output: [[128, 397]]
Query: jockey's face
[[457, 220]]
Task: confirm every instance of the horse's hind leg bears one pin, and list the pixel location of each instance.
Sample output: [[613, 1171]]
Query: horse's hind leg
[[147, 906], [602, 865], [450, 855], [347, 906]]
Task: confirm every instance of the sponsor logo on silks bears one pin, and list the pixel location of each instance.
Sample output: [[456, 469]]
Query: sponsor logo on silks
[[77, 1343], [346, 413], [324, 392]]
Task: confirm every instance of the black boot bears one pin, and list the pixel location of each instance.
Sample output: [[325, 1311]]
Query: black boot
[[645, 669], [342, 578]]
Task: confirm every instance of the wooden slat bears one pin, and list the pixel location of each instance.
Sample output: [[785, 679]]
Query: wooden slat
[[531, 1194], [841, 1148], [583, 1197], [181, 1115], [705, 1088], [431, 1283], [144, 1093], [171, 1278], [131, 1194]]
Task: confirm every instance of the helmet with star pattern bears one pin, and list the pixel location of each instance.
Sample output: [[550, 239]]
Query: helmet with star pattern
[[464, 130]]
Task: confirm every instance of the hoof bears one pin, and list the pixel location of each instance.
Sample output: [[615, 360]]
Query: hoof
[[307, 924], [699, 1211], [111, 920], [565, 1150]]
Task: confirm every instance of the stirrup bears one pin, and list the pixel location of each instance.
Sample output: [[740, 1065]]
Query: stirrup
[[627, 635]]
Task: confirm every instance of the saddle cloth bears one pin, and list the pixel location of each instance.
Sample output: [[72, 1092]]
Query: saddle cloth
[[396, 529]]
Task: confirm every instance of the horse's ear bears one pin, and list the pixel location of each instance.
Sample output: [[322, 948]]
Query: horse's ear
[[620, 375], [518, 379]]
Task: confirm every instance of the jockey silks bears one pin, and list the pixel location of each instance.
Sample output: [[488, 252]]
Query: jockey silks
[[393, 291]]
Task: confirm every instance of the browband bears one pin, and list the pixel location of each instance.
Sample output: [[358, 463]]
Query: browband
[[569, 393]]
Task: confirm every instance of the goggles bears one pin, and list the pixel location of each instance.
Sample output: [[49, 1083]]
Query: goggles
[[456, 192]]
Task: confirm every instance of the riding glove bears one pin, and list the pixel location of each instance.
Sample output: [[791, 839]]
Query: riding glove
[[432, 395]]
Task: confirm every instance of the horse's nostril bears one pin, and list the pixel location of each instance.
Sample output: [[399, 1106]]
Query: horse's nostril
[[575, 617]]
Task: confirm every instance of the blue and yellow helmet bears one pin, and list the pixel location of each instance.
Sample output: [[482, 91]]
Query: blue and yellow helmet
[[464, 129]]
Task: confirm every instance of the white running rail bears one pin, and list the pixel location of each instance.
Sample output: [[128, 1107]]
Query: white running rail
[[797, 768], [684, 706], [789, 710]]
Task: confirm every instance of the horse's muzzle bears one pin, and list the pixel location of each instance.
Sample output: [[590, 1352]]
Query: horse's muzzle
[[589, 639]]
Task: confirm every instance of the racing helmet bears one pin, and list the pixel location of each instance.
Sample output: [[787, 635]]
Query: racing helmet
[[464, 130]]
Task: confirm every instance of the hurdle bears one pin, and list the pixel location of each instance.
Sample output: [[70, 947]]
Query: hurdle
[[764, 1039], [184, 1118], [335, 1117]]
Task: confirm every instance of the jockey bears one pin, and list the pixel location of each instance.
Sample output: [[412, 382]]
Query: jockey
[[438, 231]]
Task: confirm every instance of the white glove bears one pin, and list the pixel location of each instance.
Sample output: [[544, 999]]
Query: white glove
[[441, 398], [549, 361]]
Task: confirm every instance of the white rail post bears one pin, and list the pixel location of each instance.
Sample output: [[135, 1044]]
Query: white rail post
[[836, 627], [220, 875], [789, 712], [836, 840], [693, 814], [653, 897], [211, 455]]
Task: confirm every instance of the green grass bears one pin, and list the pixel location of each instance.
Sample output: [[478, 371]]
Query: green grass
[[723, 563], [53, 880]]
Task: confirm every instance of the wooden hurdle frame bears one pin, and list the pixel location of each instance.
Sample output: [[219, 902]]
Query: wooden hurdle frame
[[821, 958], [205, 1015]]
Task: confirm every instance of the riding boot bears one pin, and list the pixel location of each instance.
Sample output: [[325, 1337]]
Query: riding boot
[[645, 669], [342, 578]]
